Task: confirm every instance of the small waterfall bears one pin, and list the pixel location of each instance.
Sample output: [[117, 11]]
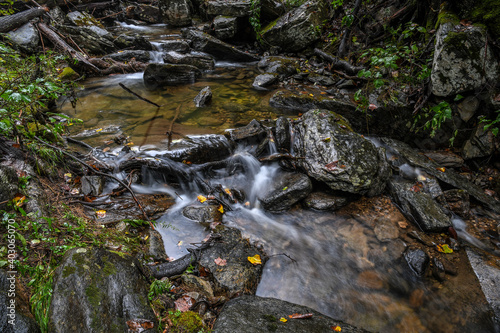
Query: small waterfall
[[157, 56]]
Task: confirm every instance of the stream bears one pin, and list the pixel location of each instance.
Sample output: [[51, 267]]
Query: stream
[[341, 265]]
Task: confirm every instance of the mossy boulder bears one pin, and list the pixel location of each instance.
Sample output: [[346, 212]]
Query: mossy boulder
[[462, 60], [186, 322], [68, 74], [96, 290]]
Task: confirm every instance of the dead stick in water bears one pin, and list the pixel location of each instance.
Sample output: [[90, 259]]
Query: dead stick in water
[[102, 174], [138, 96], [169, 132]]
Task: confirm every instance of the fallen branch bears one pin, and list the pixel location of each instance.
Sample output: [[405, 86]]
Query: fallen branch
[[137, 95], [10, 22], [337, 63], [171, 127], [101, 174]]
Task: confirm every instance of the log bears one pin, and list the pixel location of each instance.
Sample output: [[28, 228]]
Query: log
[[60, 44], [11, 22], [338, 63]]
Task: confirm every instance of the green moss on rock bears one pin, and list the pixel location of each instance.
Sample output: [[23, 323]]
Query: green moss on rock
[[186, 322]]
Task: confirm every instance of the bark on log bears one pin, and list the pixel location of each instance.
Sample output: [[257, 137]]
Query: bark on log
[[10, 22], [63, 46], [338, 64]]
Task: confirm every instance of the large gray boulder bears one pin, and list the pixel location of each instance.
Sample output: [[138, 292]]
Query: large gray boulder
[[220, 50], [15, 317], [177, 13], [295, 30], [200, 149], [283, 66], [463, 61], [252, 314], [200, 61], [157, 75], [89, 39], [98, 291], [26, 38], [330, 152], [225, 27], [235, 8]]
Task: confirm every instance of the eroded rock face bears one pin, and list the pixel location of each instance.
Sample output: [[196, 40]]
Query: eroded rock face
[[98, 291], [461, 62], [157, 75], [200, 149], [200, 61], [283, 66], [286, 190], [238, 276], [236, 8], [225, 27], [252, 314], [127, 55], [330, 152], [295, 31], [177, 13]]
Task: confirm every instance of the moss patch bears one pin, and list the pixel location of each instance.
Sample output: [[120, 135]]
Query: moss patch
[[186, 322]]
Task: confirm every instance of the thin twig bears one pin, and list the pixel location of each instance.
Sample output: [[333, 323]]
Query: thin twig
[[138, 96], [171, 127], [101, 174]]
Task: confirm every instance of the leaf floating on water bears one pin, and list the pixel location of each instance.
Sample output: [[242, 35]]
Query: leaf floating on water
[[101, 214], [444, 248], [220, 262], [336, 328], [283, 320], [441, 169], [255, 260], [202, 199], [301, 315], [228, 191], [221, 209]]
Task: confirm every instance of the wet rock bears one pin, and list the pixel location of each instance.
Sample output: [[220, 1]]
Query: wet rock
[[286, 190], [294, 31], [127, 55], [462, 60], [330, 152], [177, 13], [418, 260], [203, 42], [325, 201], [253, 314], [418, 206], [458, 202], [158, 75], [235, 8], [254, 130], [271, 10], [203, 98], [198, 284], [8, 184], [283, 135], [264, 80], [16, 318], [445, 158], [200, 149], [488, 276], [320, 79], [92, 185], [82, 19], [133, 42], [448, 176], [177, 45], [238, 276], [97, 288], [438, 271], [93, 40], [422, 238], [468, 107], [200, 61], [283, 66], [203, 213], [225, 27], [68, 74], [385, 230], [480, 144], [25, 38], [156, 248], [147, 13]]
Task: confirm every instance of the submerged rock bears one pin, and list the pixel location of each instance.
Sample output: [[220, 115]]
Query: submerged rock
[[286, 190], [203, 213], [253, 314], [220, 50], [325, 201], [462, 60], [418, 261], [418, 206], [92, 185], [295, 31], [264, 80], [200, 61], [330, 152], [176, 12], [97, 290], [238, 276], [157, 75], [203, 98]]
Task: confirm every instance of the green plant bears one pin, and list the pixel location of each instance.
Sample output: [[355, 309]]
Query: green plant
[[159, 287], [255, 18], [186, 322], [42, 294], [436, 115], [137, 223], [494, 124], [337, 3]]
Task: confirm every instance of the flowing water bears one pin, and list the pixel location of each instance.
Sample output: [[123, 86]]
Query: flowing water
[[332, 262]]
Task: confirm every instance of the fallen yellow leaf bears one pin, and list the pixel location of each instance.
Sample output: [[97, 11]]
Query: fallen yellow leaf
[[337, 328], [255, 260], [444, 248], [441, 169], [101, 213], [202, 199], [283, 320], [98, 130], [221, 209]]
